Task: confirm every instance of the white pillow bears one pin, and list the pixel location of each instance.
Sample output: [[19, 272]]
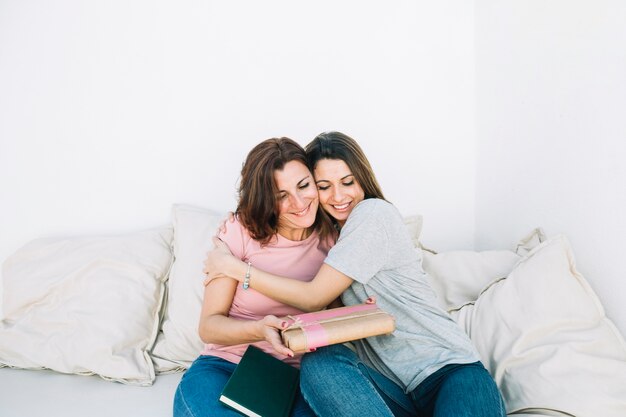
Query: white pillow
[[414, 226], [458, 277], [544, 336], [529, 242], [86, 305], [178, 343]]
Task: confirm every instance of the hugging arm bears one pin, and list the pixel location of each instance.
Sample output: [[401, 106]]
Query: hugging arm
[[217, 327], [314, 295]]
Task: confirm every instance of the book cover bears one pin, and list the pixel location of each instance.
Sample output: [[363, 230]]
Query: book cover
[[261, 386], [308, 331]]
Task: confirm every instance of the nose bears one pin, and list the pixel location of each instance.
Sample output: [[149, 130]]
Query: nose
[[297, 201], [337, 194]]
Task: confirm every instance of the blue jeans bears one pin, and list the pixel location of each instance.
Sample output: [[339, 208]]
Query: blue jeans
[[199, 391], [335, 382]]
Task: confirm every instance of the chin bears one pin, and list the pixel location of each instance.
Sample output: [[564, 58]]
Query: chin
[[342, 217], [306, 223]]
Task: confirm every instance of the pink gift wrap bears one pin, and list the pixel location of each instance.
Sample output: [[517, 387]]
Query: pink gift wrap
[[308, 331]]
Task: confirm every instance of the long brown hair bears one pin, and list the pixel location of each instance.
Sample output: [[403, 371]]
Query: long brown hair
[[336, 145], [257, 208]]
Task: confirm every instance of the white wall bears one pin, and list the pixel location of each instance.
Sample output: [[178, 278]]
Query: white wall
[[551, 131], [112, 111]]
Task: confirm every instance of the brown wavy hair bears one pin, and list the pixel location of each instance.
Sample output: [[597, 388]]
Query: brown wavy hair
[[257, 208], [336, 145]]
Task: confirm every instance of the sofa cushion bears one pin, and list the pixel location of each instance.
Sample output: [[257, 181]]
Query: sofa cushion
[[414, 226], [458, 277], [544, 336], [86, 305], [51, 394], [178, 343]]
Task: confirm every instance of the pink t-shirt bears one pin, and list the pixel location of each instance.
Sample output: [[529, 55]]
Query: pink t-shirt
[[294, 259]]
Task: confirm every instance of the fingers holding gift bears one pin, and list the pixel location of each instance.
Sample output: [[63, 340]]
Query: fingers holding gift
[[271, 326]]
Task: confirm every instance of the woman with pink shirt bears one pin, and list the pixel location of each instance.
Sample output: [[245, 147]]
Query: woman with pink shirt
[[428, 366], [276, 228]]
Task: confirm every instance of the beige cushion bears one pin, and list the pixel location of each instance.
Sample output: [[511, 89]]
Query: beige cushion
[[86, 305], [414, 226], [458, 277], [543, 335], [178, 343], [530, 241]]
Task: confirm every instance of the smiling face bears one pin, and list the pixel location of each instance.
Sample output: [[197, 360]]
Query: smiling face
[[297, 200], [338, 189]]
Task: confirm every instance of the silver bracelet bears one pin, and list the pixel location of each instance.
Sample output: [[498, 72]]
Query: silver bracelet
[[246, 279]]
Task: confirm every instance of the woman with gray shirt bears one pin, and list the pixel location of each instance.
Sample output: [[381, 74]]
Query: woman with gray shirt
[[427, 366]]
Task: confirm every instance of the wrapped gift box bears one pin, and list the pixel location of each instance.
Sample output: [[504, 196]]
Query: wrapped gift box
[[308, 331]]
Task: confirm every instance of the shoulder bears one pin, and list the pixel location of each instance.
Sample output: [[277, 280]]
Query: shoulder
[[234, 228], [237, 237], [374, 214], [370, 214], [375, 207]]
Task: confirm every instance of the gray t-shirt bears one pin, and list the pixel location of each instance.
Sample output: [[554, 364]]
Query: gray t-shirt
[[375, 250]]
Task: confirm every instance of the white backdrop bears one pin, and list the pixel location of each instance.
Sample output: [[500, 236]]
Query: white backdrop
[[551, 132], [112, 111], [489, 118]]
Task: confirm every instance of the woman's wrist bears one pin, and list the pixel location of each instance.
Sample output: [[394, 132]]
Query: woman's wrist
[[239, 270], [246, 278], [258, 330]]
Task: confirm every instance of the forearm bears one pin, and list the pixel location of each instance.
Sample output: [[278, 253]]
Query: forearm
[[336, 303], [223, 330], [314, 295], [300, 294]]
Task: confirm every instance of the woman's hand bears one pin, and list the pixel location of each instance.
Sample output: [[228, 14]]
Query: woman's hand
[[271, 326], [218, 262]]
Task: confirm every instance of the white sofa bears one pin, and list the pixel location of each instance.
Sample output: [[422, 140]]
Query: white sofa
[[26, 393], [122, 311]]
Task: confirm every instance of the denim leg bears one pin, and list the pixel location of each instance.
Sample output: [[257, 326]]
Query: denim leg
[[200, 388], [301, 408], [463, 390], [335, 382]]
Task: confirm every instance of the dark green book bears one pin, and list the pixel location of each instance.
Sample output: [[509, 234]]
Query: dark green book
[[261, 385]]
